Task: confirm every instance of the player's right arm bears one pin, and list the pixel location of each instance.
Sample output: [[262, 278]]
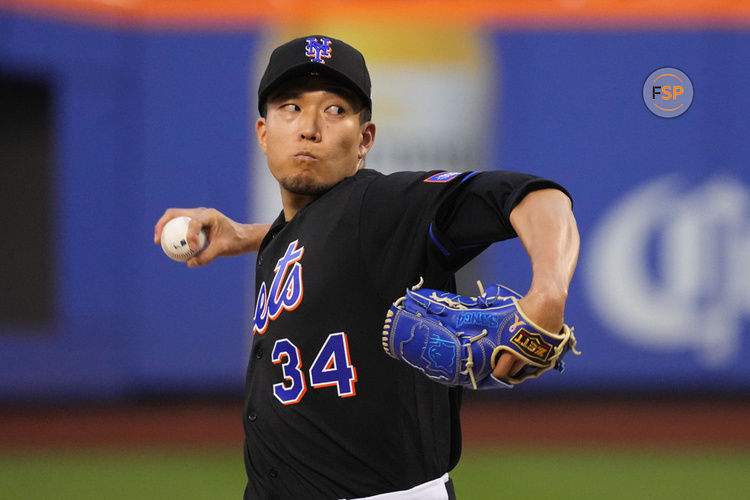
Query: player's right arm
[[226, 237]]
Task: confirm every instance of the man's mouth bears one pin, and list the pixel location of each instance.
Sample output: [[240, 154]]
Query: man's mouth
[[305, 156]]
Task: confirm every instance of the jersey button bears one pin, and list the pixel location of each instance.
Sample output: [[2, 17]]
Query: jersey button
[[273, 473], [258, 353], [252, 417]]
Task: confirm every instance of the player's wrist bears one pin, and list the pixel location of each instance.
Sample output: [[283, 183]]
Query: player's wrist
[[250, 236], [545, 307], [549, 290]]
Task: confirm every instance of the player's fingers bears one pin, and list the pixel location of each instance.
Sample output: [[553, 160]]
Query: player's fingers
[[507, 365], [194, 214], [160, 225], [205, 257], [169, 214], [211, 220], [503, 366], [518, 365], [194, 234]]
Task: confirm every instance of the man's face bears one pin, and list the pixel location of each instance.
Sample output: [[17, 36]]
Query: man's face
[[312, 136]]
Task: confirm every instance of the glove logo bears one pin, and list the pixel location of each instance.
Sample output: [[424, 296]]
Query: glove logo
[[516, 323], [440, 355], [532, 345]]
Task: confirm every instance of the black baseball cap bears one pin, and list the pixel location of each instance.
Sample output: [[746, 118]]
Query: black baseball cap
[[316, 55]]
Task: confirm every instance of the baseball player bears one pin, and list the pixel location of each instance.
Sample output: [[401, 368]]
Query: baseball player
[[327, 413]]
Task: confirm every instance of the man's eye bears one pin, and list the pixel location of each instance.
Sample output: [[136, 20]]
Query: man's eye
[[336, 110], [290, 107]]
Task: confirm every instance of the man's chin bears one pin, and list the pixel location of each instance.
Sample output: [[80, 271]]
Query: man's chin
[[304, 187]]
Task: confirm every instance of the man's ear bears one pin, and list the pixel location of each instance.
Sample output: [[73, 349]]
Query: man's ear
[[260, 130], [368, 138]]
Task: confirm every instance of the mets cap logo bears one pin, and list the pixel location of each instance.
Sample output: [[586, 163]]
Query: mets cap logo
[[318, 50]]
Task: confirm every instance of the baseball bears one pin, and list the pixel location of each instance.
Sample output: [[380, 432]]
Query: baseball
[[174, 240]]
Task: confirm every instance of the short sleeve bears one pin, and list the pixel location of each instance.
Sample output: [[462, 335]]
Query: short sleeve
[[394, 222], [430, 224]]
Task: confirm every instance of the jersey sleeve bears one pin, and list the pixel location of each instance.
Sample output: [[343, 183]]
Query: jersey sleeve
[[395, 214], [430, 224], [477, 214]]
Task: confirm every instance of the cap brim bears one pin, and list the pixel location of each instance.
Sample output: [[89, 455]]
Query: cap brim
[[312, 69]]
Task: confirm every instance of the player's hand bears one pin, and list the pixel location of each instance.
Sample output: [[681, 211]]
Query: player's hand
[[544, 309], [226, 237]]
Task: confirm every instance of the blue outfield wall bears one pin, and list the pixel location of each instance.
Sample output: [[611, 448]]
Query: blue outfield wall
[[147, 120], [144, 121], [661, 297]]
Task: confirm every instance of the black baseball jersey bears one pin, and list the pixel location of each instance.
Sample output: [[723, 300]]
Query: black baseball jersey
[[328, 414]]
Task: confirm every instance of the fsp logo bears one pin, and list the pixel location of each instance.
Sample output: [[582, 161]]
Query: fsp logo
[[318, 50], [668, 92]]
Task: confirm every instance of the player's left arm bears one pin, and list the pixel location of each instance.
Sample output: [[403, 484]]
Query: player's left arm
[[547, 229]]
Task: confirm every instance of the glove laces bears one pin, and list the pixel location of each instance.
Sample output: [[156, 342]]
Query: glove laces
[[470, 360]]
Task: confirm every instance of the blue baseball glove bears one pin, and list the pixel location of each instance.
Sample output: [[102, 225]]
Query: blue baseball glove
[[456, 340]]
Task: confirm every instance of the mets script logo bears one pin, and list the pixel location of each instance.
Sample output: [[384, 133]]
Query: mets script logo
[[318, 50], [285, 292]]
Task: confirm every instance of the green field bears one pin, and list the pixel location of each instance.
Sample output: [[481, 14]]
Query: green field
[[579, 474]]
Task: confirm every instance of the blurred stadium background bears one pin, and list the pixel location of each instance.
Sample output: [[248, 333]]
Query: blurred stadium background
[[121, 372]]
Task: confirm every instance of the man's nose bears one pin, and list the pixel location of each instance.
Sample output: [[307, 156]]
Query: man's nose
[[309, 127]]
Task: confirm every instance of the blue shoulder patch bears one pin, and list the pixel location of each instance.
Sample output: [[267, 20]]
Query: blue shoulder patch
[[442, 177]]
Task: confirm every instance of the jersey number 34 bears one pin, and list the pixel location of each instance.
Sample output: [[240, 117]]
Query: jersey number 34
[[332, 368]]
